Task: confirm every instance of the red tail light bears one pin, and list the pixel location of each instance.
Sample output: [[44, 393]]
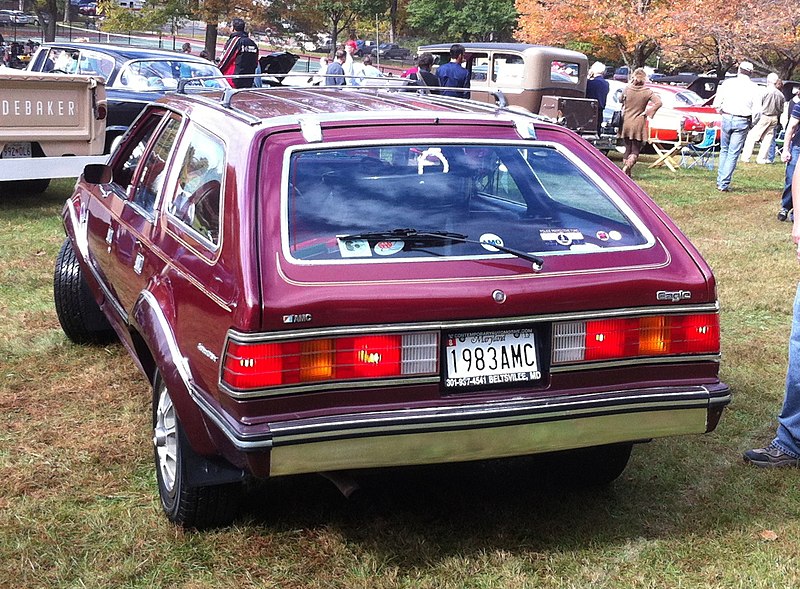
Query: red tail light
[[263, 365], [692, 123], [660, 335]]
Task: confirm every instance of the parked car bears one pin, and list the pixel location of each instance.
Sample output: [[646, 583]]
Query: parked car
[[546, 80], [364, 47], [413, 280], [89, 9], [16, 18], [681, 109], [134, 76], [391, 51]]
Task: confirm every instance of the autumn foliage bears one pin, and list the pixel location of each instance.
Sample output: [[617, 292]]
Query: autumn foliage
[[708, 34]]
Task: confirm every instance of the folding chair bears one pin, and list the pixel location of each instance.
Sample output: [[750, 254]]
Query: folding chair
[[703, 153]]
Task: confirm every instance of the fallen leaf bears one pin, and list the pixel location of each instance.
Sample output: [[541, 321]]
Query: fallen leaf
[[768, 535]]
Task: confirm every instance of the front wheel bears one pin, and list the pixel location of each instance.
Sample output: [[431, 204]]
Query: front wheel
[[78, 313], [188, 506]]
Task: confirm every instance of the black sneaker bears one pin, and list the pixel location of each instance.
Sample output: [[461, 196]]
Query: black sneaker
[[770, 457], [783, 214]]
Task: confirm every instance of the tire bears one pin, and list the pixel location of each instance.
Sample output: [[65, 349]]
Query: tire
[[199, 506], [78, 313], [24, 187]]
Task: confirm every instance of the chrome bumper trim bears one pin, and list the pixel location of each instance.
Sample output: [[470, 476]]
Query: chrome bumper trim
[[684, 409]]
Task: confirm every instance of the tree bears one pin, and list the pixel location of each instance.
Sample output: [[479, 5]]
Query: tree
[[633, 29], [464, 20]]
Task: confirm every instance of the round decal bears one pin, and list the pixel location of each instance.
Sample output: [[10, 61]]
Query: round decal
[[602, 235], [563, 239], [387, 248], [489, 239], [615, 235]]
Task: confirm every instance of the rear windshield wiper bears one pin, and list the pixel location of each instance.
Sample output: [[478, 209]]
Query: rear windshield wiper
[[443, 236]]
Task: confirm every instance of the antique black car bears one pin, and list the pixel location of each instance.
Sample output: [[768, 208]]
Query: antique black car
[[134, 76]]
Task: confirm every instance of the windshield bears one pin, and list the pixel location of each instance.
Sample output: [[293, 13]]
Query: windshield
[[164, 74], [529, 199], [688, 98]]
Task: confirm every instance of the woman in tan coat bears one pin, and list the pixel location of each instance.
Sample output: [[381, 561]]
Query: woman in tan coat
[[638, 104]]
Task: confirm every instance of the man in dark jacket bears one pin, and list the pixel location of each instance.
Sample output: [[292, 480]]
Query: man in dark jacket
[[240, 56]]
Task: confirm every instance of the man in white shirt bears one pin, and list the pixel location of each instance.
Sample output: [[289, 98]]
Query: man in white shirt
[[738, 99], [772, 104]]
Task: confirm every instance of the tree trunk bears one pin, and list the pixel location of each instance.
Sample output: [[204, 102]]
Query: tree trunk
[[392, 21], [211, 40]]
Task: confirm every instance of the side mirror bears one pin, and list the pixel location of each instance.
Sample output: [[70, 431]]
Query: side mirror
[[97, 173]]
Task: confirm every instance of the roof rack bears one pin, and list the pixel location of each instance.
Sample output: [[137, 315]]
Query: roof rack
[[385, 83]]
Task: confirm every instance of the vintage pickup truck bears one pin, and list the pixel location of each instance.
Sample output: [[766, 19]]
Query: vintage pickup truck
[[47, 117]]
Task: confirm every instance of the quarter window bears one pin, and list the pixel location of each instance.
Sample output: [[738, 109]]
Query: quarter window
[[197, 199], [154, 171]]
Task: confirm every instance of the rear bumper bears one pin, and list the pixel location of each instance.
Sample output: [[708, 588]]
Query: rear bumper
[[466, 432]]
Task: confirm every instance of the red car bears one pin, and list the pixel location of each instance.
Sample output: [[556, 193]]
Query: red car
[[328, 280], [681, 109]]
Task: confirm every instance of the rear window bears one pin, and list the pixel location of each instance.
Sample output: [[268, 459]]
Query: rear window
[[533, 199]]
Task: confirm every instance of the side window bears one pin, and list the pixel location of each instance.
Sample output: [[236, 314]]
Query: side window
[[129, 155], [154, 171], [202, 168], [509, 69], [62, 61], [479, 67]]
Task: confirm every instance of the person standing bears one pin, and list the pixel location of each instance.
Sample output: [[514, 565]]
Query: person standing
[[789, 155], [771, 109], [369, 73], [240, 56], [597, 89], [453, 74], [784, 450], [423, 76], [334, 76], [639, 103], [737, 100]]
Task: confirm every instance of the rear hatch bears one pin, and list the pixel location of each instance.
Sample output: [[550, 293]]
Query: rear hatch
[[458, 247]]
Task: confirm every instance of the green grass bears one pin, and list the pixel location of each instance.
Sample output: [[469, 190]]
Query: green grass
[[78, 504]]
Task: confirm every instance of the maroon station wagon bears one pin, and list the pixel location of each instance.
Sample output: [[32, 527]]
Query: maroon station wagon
[[333, 279]]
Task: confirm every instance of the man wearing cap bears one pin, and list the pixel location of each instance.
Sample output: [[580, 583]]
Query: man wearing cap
[[240, 56], [738, 99]]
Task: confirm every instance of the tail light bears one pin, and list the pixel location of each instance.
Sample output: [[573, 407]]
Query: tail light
[[101, 112], [273, 364], [692, 123], [660, 335]]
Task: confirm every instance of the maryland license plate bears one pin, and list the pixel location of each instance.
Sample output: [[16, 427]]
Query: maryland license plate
[[16, 150], [491, 358]]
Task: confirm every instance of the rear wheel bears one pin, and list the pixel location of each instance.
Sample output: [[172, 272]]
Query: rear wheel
[[198, 506], [80, 316]]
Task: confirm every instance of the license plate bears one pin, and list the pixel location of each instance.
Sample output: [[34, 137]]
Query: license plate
[[17, 150], [483, 359]]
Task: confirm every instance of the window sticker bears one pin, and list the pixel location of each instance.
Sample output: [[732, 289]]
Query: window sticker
[[354, 248], [487, 239], [563, 237], [388, 248]]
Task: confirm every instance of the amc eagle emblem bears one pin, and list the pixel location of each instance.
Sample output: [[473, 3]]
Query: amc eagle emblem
[[673, 295]]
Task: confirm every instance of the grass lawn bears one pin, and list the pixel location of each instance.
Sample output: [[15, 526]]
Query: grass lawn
[[78, 500]]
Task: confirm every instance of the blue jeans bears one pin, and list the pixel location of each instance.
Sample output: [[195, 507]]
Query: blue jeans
[[786, 197], [788, 435], [734, 132]]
